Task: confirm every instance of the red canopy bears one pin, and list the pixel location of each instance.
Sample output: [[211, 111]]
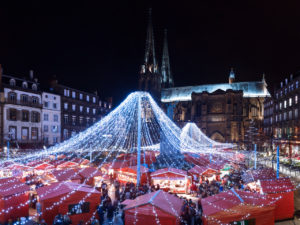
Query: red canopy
[[200, 170], [65, 175], [282, 192], [81, 161], [13, 198], [169, 172], [146, 209], [61, 192], [259, 174], [133, 169], [234, 205], [44, 166], [88, 174], [67, 164]]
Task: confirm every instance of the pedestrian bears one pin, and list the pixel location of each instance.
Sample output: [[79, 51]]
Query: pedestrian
[[67, 220], [100, 212], [95, 221]]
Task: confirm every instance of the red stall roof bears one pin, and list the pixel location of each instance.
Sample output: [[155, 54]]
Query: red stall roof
[[44, 166], [160, 199], [260, 174], [175, 171], [8, 187], [63, 175], [81, 161], [89, 171], [133, 169], [229, 199], [201, 169], [277, 185], [61, 188]]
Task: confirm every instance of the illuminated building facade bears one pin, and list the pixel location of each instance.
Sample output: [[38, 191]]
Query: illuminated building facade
[[281, 120]]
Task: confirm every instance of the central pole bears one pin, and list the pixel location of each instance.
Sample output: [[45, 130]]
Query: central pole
[[138, 179], [277, 170], [255, 156]]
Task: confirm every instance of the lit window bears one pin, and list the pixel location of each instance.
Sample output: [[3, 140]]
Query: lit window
[[284, 116], [87, 109], [80, 96], [73, 94], [66, 106], [296, 113], [66, 133], [34, 87], [45, 128], [65, 92], [66, 119], [55, 118], [87, 98], [285, 90], [94, 111], [297, 84], [296, 99], [290, 101], [12, 82], [94, 99], [280, 105], [290, 115], [73, 120], [34, 133], [73, 107], [284, 104], [24, 85], [54, 129], [81, 108]]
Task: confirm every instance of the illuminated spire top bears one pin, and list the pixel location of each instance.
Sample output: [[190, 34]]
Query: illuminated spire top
[[167, 79], [150, 60], [232, 74]]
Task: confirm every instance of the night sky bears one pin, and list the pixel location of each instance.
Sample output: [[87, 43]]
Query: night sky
[[101, 45]]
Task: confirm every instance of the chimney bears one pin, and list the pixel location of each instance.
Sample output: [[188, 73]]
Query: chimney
[[31, 74]]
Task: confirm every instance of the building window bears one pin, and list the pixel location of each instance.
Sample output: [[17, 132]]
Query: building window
[[290, 115], [46, 140], [12, 82], [35, 117], [55, 118], [46, 117], [87, 98], [73, 94], [24, 85], [66, 119], [94, 111], [35, 100], [12, 97], [94, 120], [66, 133], [24, 133], [80, 96], [34, 87], [73, 133], [87, 110], [45, 128], [297, 84], [54, 106], [296, 113], [276, 118], [54, 129], [87, 121], [12, 132], [80, 120], [254, 111], [25, 115], [73, 120], [46, 104], [66, 92], [284, 116], [285, 91], [55, 140], [66, 106], [73, 107], [284, 104], [81, 108], [94, 99], [290, 101], [24, 98], [296, 99], [12, 114], [280, 105], [34, 133]]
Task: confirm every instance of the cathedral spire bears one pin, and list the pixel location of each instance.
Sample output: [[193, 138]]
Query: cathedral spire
[[150, 60], [167, 79], [231, 76]]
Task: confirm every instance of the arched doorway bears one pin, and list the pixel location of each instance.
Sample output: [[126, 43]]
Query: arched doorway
[[217, 136]]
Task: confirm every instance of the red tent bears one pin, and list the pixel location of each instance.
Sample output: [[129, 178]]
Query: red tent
[[80, 161], [88, 174], [66, 175], [14, 198], [234, 205], [57, 191], [129, 174], [147, 209], [260, 174], [172, 179], [44, 166], [203, 170], [67, 165], [281, 190]]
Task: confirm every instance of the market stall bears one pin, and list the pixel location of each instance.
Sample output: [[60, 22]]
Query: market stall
[[250, 177], [90, 175], [42, 168], [61, 175], [171, 179], [13, 199], [67, 165], [282, 192], [81, 162], [237, 206], [150, 208], [203, 172], [129, 174], [77, 212]]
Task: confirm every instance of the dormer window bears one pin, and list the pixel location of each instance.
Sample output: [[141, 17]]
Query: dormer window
[[34, 87], [12, 82], [24, 85]]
